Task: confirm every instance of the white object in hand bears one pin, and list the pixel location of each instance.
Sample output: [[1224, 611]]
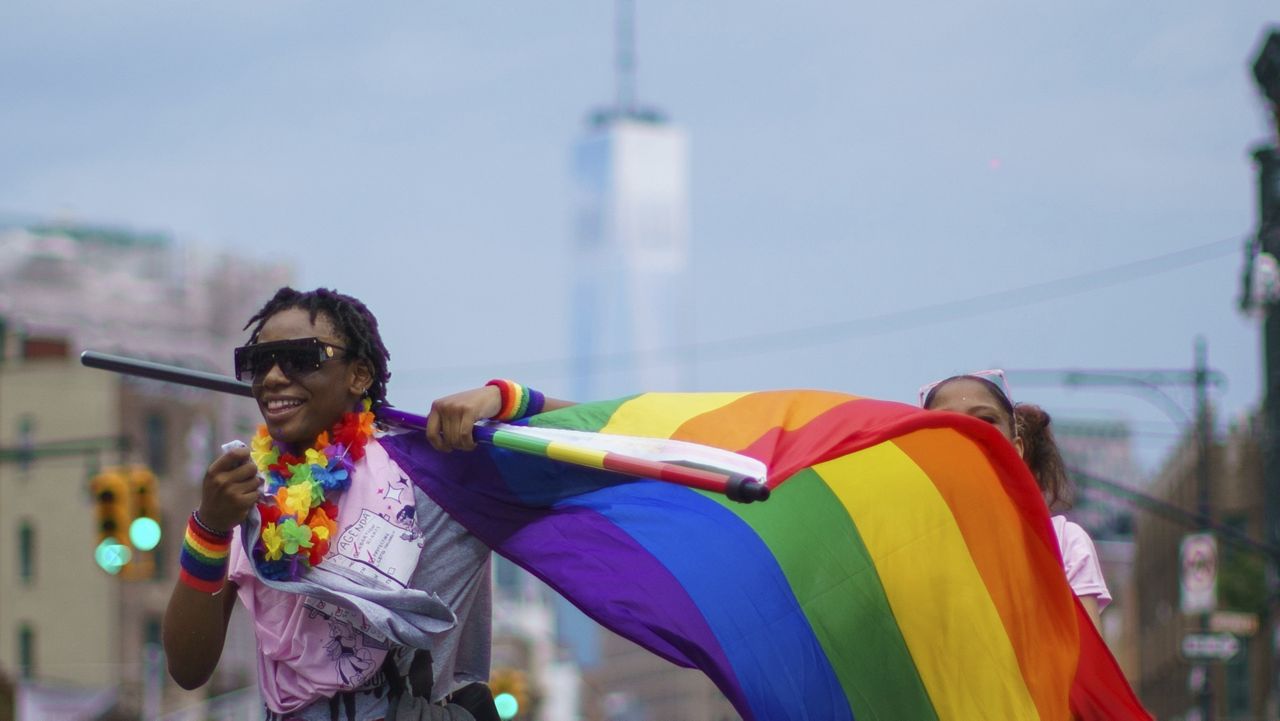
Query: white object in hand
[[233, 445]]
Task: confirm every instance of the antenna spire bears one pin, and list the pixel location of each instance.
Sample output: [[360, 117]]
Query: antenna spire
[[625, 64]]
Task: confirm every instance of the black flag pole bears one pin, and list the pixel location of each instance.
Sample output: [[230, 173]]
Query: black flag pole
[[736, 486], [161, 372]]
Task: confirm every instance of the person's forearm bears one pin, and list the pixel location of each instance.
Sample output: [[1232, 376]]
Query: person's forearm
[[555, 404], [1090, 604], [195, 628]]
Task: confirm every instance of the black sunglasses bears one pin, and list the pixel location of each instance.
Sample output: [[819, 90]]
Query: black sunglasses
[[295, 357]]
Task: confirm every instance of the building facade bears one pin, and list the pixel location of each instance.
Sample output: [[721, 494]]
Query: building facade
[[1172, 684], [631, 306], [632, 329], [69, 629]]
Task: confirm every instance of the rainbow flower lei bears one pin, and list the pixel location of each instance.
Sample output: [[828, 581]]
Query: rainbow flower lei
[[299, 511]]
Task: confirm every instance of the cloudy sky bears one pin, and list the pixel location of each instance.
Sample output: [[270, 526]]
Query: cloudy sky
[[882, 194]]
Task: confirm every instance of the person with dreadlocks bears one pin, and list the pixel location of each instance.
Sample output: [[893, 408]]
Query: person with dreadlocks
[[391, 619]]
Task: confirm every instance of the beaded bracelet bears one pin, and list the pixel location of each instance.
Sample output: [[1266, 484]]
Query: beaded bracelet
[[195, 516], [517, 401], [204, 558]]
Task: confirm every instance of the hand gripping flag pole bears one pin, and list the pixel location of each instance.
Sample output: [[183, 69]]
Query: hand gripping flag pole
[[708, 476]]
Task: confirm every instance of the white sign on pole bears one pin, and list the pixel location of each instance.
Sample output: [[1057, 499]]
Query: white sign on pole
[[1199, 577], [1209, 646]]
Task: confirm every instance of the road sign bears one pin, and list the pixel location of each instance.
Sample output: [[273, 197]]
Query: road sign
[[1209, 646], [1238, 623], [1199, 578]]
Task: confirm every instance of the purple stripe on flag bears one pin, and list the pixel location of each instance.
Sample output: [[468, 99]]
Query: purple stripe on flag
[[651, 608]]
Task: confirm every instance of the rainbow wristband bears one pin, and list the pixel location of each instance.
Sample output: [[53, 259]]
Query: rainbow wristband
[[204, 557], [517, 401]]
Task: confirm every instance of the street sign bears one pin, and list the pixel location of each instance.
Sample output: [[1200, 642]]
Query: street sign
[[1198, 581], [1209, 646], [1238, 623], [1196, 678]]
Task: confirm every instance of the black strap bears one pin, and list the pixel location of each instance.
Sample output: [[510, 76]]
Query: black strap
[[348, 700], [477, 699], [421, 673]]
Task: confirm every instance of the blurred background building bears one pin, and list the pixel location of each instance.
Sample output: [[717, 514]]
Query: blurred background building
[[632, 318], [632, 328], [72, 635], [1169, 683]]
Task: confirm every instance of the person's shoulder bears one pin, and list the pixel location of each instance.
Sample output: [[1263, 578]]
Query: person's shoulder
[[1066, 528]]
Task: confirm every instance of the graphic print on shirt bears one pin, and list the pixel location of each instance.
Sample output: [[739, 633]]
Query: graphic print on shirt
[[346, 647], [332, 612], [383, 545]]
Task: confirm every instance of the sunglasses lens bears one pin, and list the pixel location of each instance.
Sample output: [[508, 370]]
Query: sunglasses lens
[[253, 364], [297, 361]]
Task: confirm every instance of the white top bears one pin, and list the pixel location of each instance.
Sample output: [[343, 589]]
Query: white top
[[1080, 561]]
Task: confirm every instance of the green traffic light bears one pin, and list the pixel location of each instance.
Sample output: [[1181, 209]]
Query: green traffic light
[[144, 533], [111, 556], [507, 705]]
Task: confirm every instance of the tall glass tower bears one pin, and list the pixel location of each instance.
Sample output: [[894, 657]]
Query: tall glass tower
[[631, 312], [631, 305]]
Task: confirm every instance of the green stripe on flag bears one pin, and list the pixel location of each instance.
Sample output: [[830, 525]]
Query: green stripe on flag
[[582, 417], [835, 582]]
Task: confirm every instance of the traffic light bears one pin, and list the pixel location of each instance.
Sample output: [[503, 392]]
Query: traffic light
[[144, 527], [127, 513], [144, 524], [110, 490], [510, 692]]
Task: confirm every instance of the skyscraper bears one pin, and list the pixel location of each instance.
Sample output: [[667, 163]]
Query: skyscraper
[[632, 325], [631, 311]]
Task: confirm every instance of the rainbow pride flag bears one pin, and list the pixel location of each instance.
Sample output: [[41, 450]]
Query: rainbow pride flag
[[904, 568]]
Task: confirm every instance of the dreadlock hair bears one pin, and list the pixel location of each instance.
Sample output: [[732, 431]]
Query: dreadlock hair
[[1040, 451], [352, 319]]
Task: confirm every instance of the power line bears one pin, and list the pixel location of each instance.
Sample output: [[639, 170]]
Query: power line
[[892, 321], [1171, 512]]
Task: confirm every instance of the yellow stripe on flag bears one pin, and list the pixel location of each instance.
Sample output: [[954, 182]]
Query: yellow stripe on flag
[[947, 618], [658, 415]]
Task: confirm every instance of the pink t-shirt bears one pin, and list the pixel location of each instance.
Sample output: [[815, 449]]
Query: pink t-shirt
[[1080, 561], [310, 649]]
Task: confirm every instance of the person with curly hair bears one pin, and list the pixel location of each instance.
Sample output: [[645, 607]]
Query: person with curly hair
[[316, 504], [985, 395]]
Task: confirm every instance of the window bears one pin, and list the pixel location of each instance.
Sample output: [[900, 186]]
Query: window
[[151, 631], [26, 441], [157, 443], [26, 552], [26, 651], [159, 555]]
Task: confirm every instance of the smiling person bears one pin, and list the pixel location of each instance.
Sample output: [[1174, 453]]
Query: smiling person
[[323, 486], [985, 396]]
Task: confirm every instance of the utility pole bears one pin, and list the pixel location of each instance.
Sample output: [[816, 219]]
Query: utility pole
[[1203, 505], [1257, 296], [1151, 383]]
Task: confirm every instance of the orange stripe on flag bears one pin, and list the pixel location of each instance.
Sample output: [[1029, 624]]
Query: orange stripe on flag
[[1047, 655], [723, 428]]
